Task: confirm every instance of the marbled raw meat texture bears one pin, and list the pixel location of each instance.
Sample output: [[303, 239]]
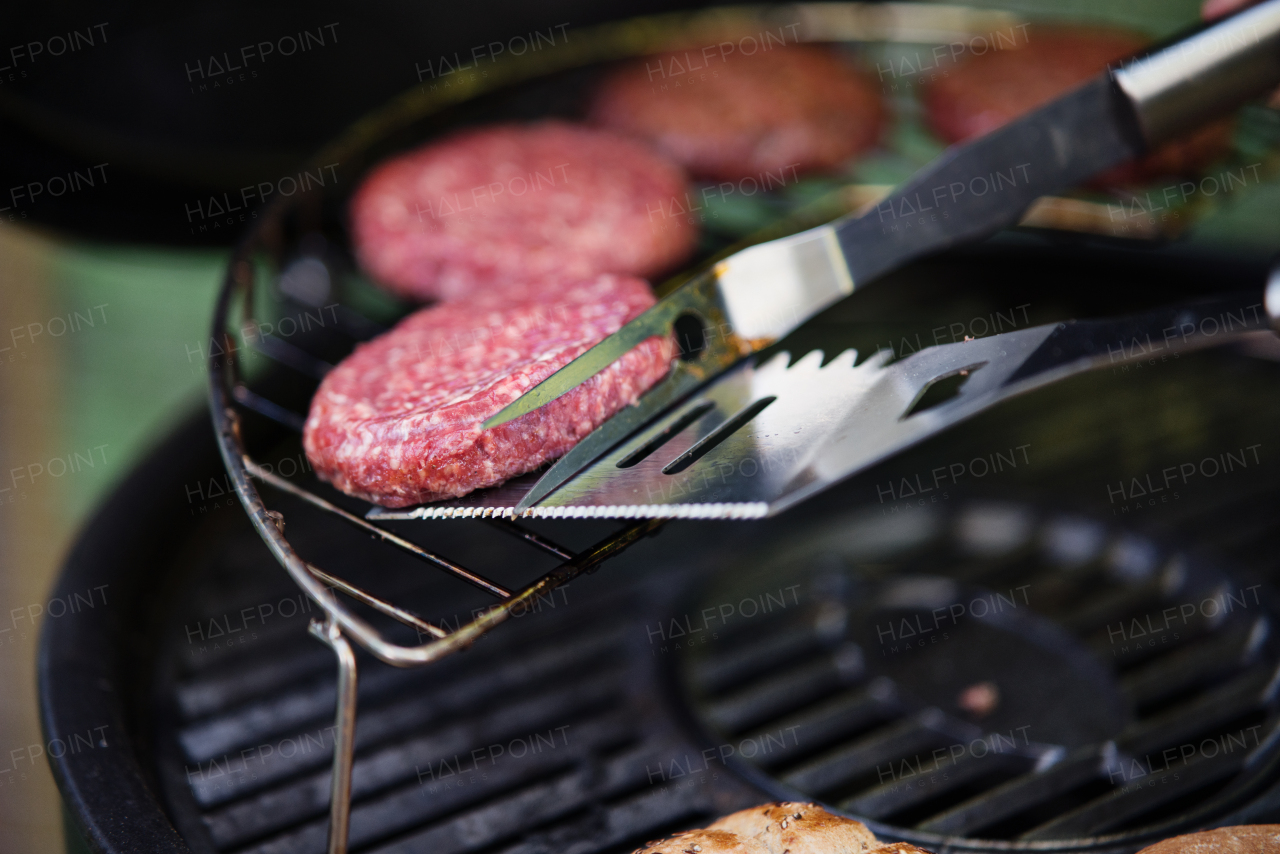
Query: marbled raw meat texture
[[483, 209], [398, 421], [771, 115]]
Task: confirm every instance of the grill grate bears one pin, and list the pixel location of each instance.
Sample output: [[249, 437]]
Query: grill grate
[[593, 679], [543, 739], [1145, 683]]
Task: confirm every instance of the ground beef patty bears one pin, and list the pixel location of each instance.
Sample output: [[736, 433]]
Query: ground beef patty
[[986, 91], [398, 421], [512, 202], [734, 116]]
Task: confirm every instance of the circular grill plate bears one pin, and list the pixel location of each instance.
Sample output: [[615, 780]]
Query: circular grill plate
[[988, 672]]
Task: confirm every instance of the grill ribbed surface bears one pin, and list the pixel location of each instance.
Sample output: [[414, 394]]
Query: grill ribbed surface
[[1131, 687]]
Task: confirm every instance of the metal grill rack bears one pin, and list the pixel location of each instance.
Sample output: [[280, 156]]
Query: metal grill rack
[[302, 214], [229, 395]]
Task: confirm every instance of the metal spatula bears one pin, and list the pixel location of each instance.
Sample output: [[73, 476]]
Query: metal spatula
[[761, 438], [756, 296]]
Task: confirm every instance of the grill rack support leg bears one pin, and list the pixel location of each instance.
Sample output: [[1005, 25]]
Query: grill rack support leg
[[344, 734]]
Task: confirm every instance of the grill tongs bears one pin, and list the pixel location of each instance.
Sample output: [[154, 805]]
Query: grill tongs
[[758, 439]]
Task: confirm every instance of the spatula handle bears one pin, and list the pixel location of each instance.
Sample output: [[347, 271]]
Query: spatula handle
[[1186, 84]]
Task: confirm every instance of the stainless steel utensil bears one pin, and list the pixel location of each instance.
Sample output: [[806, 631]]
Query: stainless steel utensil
[[761, 438], [754, 297]]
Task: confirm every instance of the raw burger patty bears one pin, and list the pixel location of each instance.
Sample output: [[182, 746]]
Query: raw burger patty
[[513, 202], [398, 421], [986, 91], [794, 108]]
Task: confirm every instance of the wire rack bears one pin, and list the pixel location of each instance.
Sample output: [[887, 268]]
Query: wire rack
[[277, 234], [230, 397]]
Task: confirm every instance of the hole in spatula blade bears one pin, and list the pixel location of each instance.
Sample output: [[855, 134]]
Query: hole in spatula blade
[[691, 336], [665, 436], [941, 389], [711, 440]]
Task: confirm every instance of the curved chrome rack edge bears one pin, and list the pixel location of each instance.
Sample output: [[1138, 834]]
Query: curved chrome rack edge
[[340, 621]]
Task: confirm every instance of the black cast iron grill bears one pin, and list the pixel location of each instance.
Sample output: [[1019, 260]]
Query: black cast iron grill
[[226, 715], [619, 740], [589, 726]]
